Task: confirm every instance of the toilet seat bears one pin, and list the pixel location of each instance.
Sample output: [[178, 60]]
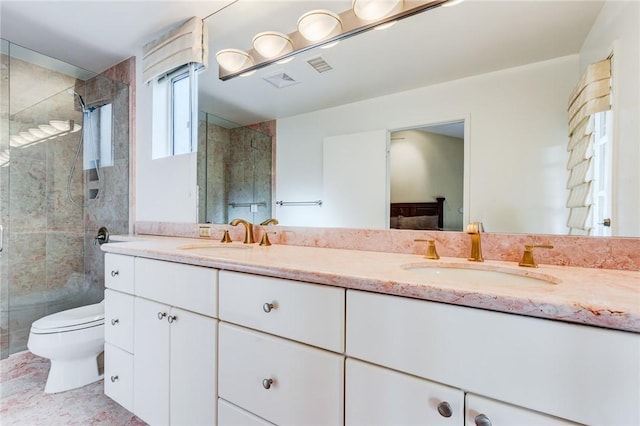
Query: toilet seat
[[70, 320]]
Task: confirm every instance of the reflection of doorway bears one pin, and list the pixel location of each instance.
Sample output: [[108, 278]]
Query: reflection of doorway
[[426, 163]]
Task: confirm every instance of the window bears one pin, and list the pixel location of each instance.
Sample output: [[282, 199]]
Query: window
[[97, 137], [175, 107], [601, 216]]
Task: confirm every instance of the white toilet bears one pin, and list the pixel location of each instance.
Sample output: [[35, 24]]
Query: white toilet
[[72, 340]]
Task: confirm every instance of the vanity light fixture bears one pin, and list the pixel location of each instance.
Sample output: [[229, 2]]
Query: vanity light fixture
[[318, 28], [372, 10], [272, 44], [234, 60], [319, 25], [44, 132]]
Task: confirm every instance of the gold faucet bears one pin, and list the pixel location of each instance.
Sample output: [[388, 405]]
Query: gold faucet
[[474, 229], [265, 237], [248, 230], [527, 256], [431, 252]]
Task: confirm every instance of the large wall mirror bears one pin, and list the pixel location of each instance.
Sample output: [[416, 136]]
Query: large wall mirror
[[504, 69]]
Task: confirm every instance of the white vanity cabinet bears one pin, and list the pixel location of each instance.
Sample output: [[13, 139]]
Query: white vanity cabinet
[[175, 343], [273, 357], [118, 329], [579, 373]]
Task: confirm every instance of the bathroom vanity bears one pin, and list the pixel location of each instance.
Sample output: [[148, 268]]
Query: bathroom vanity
[[203, 333]]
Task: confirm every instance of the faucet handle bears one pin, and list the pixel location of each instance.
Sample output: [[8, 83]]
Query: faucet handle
[[527, 257], [226, 238], [431, 252], [264, 241]]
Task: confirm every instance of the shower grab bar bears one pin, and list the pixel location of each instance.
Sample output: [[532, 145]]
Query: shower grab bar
[[299, 203]]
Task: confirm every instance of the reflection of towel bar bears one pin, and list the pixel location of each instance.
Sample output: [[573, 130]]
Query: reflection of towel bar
[[299, 203], [234, 205]]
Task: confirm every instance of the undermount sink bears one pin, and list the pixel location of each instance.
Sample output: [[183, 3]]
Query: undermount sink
[[480, 273]]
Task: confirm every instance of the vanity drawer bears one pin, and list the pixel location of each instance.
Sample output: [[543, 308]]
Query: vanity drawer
[[230, 415], [308, 313], [308, 383], [193, 288], [118, 319], [483, 351], [118, 272], [379, 396], [118, 375]]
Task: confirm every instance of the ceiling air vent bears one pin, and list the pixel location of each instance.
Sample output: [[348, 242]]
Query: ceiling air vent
[[280, 80], [319, 64]]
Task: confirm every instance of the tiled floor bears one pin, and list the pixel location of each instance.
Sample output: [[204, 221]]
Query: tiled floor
[[23, 402]]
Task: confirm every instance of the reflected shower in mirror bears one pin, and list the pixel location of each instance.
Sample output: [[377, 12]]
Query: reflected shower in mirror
[[234, 170]]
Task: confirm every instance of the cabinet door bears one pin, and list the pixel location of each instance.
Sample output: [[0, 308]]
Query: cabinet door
[[151, 362], [281, 381], [487, 412], [118, 319], [378, 396], [193, 368], [118, 375]]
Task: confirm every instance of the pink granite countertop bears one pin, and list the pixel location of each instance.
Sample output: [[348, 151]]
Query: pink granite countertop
[[598, 297]]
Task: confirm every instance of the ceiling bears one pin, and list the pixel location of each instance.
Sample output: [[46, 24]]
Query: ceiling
[[474, 37]]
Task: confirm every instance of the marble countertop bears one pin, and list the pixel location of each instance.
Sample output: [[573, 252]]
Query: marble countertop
[[598, 297]]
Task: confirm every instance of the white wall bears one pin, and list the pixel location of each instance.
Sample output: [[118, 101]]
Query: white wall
[[165, 188], [617, 27], [517, 124]]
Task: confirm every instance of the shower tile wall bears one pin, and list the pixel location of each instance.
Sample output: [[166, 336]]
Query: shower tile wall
[[213, 163], [4, 200], [111, 208], [53, 264]]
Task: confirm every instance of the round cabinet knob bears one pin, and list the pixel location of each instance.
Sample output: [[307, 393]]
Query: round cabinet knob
[[445, 409], [482, 420], [115, 321], [161, 315], [266, 383], [267, 307], [114, 379], [115, 273], [171, 318]]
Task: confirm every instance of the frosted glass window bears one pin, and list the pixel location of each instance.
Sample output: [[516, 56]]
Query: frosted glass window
[[98, 137]]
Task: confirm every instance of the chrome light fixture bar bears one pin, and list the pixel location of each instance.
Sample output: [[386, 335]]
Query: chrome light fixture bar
[[348, 25]]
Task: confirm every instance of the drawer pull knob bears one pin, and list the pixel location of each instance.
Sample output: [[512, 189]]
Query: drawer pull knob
[[115, 273], [161, 315], [114, 379], [445, 409], [267, 307], [171, 318], [482, 420], [115, 321], [266, 383]]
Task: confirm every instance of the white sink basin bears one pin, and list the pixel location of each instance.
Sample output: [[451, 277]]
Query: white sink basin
[[480, 273]]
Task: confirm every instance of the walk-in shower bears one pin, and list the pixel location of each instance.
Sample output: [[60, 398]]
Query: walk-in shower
[[64, 173]]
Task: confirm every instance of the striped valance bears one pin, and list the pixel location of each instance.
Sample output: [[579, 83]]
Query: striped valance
[[591, 95], [184, 44]]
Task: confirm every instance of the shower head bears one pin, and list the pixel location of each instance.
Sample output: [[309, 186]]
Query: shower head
[[72, 92]]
